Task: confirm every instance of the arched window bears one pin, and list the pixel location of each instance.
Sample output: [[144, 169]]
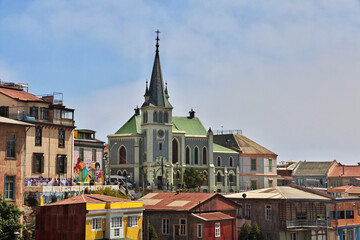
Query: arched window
[[205, 175], [218, 161], [196, 155], [122, 155], [166, 117], [155, 116], [178, 175], [187, 155], [218, 177], [231, 162], [125, 174], [204, 155], [231, 177], [160, 117], [144, 118], [175, 151]]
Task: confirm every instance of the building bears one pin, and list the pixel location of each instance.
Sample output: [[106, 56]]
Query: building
[[347, 191], [155, 148], [314, 173], [90, 216], [284, 172], [88, 158], [257, 164], [286, 212], [341, 175], [12, 158], [190, 216]]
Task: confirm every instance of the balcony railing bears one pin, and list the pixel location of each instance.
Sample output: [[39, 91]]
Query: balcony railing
[[307, 223]]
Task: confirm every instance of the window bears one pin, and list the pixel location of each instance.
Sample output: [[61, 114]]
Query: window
[[38, 136], [267, 212], [343, 234], [34, 112], [9, 187], [61, 138], [231, 162], [293, 236], [144, 117], [94, 155], [4, 111], [270, 183], [187, 155], [218, 177], [175, 151], [350, 214], [253, 164], [299, 181], [132, 221], [166, 117], [61, 164], [247, 210], [10, 146], [253, 184], [183, 226], [96, 224], [199, 230], [165, 226], [218, 161], [38, 163], [196, 155], [160, 117], [160, 146], [155, 116], [359, 211], [81, 154], [270, 165], [116, 225], [204, 155], [301, 215], [340, 215], [44, 113], [231, 177], [217, 229], [239, 212], [122, 155]]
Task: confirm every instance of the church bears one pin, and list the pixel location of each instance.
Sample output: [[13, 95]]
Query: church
[[154, 148]]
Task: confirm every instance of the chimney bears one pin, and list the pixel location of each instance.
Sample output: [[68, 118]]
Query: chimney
[[191, 114], [137, 111]]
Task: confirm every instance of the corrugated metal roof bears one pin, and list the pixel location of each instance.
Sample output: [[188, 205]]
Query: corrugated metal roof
[[248, 146], [16, 122], [88, 198], [345, 171], [192, 126], [213, 216], [19, 94], [312, 168]]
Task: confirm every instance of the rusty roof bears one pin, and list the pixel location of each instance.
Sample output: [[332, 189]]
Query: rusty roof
[[212, 216], [173, 201], [345, 171], [19, 94], [347, 189], [88, 198], [313, 168], [248, 146]]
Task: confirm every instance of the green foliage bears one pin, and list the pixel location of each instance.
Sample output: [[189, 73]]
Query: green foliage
[[193, 178], [110, 192], [245, 232], [32, 202], [256, 233], [152, 233], [9, 218], [54, 198]]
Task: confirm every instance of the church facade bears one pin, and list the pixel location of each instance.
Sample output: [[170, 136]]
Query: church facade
[[154, 148]]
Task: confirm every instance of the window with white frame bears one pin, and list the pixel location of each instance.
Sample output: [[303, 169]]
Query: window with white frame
[[293, 236], [199, 230], [132, 221], [217, 229], [96, 224], [116, 225], [267, 212], [183, 226], [165, 226]]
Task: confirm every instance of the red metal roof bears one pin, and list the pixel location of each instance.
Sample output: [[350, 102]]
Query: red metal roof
[[173, 201], [19, 94], [213, 216], [345, 171], [89, 198], [347, 188]]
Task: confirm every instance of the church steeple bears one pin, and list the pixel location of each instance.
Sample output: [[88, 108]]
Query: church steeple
[[156, 95]]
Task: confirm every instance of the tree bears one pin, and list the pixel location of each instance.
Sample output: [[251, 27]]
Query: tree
[[9, 219], [256, 233], [193, 178], [152, 233], [245, 232]]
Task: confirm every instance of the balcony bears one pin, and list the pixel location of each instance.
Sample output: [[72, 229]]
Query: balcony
[[306, 223]]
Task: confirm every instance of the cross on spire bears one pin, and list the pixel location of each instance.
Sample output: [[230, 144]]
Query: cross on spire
[[157, 40]]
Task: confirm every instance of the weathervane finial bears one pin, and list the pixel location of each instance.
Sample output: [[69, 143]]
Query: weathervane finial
[[157, 40]]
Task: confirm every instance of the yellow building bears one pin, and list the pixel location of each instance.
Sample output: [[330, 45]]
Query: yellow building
[[90, 216]]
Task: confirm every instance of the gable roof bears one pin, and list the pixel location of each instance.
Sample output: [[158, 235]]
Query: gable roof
[[351, 189], [248, 146], [132, 126], [289, 192], [192, 126], [19, 94], [88, 198], [173, 201], [318, 168], [345, 171]]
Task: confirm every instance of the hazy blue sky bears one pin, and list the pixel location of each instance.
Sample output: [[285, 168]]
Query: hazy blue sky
[[285, 72]]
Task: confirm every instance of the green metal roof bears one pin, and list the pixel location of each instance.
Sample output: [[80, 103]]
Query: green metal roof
[[192, 126], [132, 126], [218, 148]]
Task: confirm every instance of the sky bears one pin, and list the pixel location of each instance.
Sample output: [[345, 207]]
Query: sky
[[284, 72]]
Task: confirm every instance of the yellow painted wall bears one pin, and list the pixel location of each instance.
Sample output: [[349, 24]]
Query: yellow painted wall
[[133, 232], [90, 234]]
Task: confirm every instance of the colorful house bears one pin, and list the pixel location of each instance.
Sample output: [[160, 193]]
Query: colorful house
[[342, 175], [190, 216], [90, 216], [88, 162]]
